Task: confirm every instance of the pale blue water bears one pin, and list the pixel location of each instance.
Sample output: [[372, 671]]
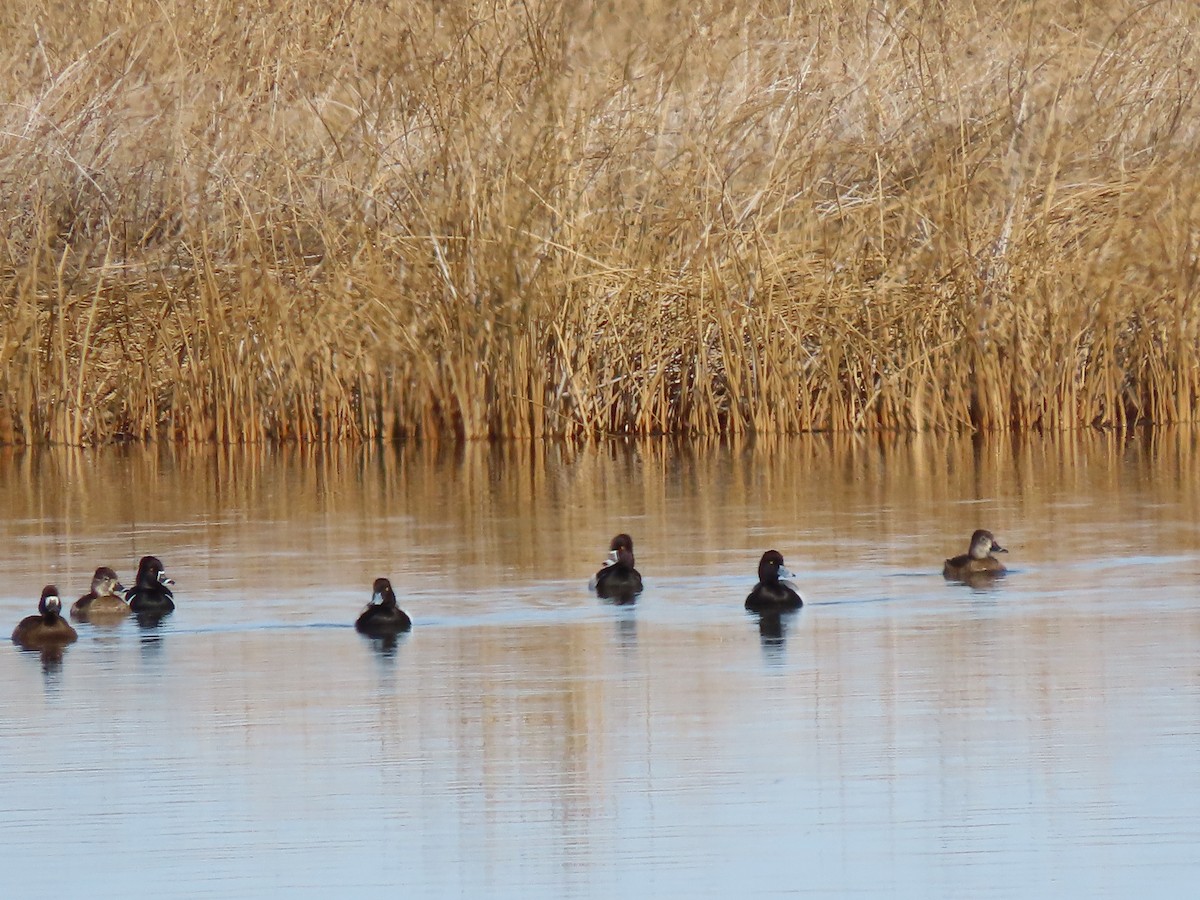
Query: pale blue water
[[904, 738]]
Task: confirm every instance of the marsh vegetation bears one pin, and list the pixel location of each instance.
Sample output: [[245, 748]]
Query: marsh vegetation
[[253, 221]]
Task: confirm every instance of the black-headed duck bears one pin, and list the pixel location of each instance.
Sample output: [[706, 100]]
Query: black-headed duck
[[978, 561], [618, 580], [382, 617], [49, 629], [102, 601], [771, 595], [151, 595]]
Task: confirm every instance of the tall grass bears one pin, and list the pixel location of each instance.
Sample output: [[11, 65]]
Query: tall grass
[[357, 219]]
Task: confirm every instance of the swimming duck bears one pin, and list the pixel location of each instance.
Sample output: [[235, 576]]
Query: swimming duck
[[49, 629], [978, 561], [382, 617], [618, 580], [771, 595], [151, 595], [102, 601]]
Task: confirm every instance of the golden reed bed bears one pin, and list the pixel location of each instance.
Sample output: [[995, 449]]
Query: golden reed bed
[[244, 220]]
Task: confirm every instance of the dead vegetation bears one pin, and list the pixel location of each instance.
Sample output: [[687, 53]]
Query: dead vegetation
[[357, 219]]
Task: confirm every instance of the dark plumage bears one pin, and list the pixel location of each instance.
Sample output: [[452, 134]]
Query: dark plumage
[[771, 595], [151, 596], [382, 617], [102, 601], [618, 580], [977, 562], [49, 629]]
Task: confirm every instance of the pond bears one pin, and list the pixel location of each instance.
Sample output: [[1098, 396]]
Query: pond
[[901, 735]]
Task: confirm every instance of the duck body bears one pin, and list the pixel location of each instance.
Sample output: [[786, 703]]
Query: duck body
[[49, 628], [103, 601], [978, 561], [382, 617], [618, 580], [151, 594], [771, 594]]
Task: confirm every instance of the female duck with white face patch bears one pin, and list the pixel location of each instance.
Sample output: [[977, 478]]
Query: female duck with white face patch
[[978, 561], [103, 600]]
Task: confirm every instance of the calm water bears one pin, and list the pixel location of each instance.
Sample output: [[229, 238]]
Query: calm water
[[904, 737]]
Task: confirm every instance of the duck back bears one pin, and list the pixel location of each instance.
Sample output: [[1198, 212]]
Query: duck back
[[773, 597], [34, 632], [966, 566], [106, 606], [379, 621], [618, 581]]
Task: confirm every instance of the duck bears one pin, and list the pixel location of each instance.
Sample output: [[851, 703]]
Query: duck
[[977, 561], [103, 600], [382, 617], [49, 629], [771, 595], [618, 580], [151, 594]]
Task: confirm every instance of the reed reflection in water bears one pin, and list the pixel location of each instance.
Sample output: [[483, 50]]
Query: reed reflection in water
[[900, 735]]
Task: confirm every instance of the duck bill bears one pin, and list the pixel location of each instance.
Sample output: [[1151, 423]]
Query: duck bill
[[996, 548], [164, 578], [785, 572]]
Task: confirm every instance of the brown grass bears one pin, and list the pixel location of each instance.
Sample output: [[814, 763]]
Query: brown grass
[[355, 219]]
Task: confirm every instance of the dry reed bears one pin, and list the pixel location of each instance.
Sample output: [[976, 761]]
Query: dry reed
[[357, 219]]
